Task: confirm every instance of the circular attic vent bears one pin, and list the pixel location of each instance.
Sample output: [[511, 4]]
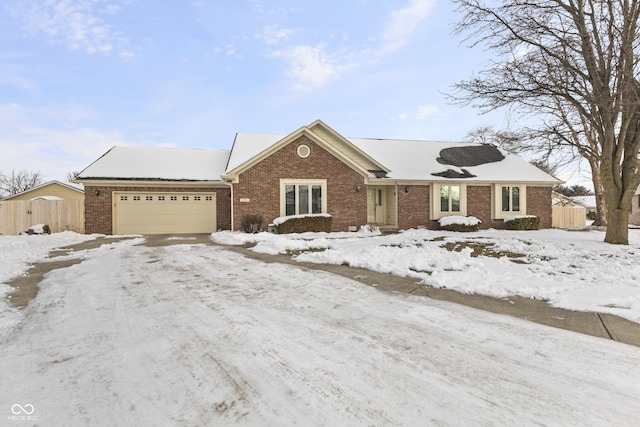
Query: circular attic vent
[[304, 151]]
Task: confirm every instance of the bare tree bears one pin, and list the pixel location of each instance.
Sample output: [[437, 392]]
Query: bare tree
[[571, 67], [71, 175], [18, 181]]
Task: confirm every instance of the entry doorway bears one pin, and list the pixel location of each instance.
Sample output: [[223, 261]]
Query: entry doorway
[[381, 205]]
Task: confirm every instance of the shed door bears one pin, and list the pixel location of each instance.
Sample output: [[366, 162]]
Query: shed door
[[163, 213]]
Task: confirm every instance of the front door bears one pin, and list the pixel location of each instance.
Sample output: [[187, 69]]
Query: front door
[[376, 210]]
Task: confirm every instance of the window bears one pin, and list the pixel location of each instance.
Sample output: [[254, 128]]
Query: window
[[196, 198], [173, 198], [136, 198], [123, 198], [510, 199], [149, 198], [450, 198], [305, 197], [208, 198], [185, 198], [161, 198]]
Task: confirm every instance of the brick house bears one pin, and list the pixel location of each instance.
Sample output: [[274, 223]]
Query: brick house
[[395, 184]]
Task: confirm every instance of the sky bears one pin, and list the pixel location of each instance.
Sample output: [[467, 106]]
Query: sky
[[78, 77]]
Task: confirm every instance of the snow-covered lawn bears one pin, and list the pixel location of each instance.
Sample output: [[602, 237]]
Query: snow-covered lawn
[[198, 335], [569, 269]]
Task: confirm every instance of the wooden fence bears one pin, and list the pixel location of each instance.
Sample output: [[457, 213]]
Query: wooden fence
[[60, 215], [568, 216]]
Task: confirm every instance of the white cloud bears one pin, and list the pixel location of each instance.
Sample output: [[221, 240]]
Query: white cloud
[[273, 34], [78, 24], [403, 23], [28, 144], [311, 67], [422, 112]]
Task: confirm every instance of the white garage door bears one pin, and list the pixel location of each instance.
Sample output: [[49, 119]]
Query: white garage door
[[163, 213]]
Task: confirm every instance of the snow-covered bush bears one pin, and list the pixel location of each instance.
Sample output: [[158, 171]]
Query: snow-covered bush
[[460, 223], [524, 222], [303, 223]]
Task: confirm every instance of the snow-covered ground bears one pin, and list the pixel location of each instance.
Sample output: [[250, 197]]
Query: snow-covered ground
[[191, 334], [570, 269]]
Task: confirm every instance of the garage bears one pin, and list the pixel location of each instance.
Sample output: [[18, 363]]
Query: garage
[[163, 213]]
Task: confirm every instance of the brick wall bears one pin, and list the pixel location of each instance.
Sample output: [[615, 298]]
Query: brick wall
[[539, 204], [260, 184], [413, 207], [98, 210], [479, 205]]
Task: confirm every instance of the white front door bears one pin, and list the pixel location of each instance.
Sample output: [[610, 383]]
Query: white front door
[[376, 210]]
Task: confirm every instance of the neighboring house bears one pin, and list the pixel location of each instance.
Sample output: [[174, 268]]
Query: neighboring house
[[394, 184], [634, 214], [52, 190], [58, 205]]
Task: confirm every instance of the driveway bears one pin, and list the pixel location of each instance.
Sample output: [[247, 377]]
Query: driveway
[[182, 332]]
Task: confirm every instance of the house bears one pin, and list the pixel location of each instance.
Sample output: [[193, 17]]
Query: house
[[394, 184], [634, 212], [52, 190]]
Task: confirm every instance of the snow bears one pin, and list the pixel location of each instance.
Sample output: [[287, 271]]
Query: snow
[[461, 220], [392, 153], [283, 219], [569, 269], [191, 334], [158, 163]]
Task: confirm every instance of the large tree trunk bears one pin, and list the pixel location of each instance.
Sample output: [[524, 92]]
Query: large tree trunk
[[617, 226]]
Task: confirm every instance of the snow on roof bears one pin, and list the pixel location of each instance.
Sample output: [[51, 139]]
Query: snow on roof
[[587, 201], [418, 160], [154, 163], [248, 145]]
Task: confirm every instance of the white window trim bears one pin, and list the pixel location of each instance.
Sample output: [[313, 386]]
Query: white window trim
[[497, 200], [436, 213], [283, 193]]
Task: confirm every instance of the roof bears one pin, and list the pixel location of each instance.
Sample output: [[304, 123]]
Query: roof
[[409, 160], [418, 160], [43, 185], [158, 163]]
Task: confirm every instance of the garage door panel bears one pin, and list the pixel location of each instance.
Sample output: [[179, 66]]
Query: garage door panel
[[164, 213]]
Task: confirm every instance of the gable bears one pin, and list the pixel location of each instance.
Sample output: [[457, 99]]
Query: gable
[[250, 149], [51, 189]]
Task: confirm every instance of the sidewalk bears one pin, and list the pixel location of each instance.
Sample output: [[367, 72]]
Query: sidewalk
[[596, 324]]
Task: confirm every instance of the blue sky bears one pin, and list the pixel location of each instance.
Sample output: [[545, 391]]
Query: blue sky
[[80, 76]]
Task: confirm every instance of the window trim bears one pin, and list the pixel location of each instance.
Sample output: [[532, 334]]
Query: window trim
[[498, 213], [436, 213], [283, 194]]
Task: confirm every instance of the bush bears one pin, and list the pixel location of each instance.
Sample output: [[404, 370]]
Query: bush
[[465, 228], [522, 223], [460, 223], [592, 215], [251, 223], [303, 224]]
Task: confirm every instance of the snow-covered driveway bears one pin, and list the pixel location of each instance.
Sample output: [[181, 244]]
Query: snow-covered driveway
[[198, 335]]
